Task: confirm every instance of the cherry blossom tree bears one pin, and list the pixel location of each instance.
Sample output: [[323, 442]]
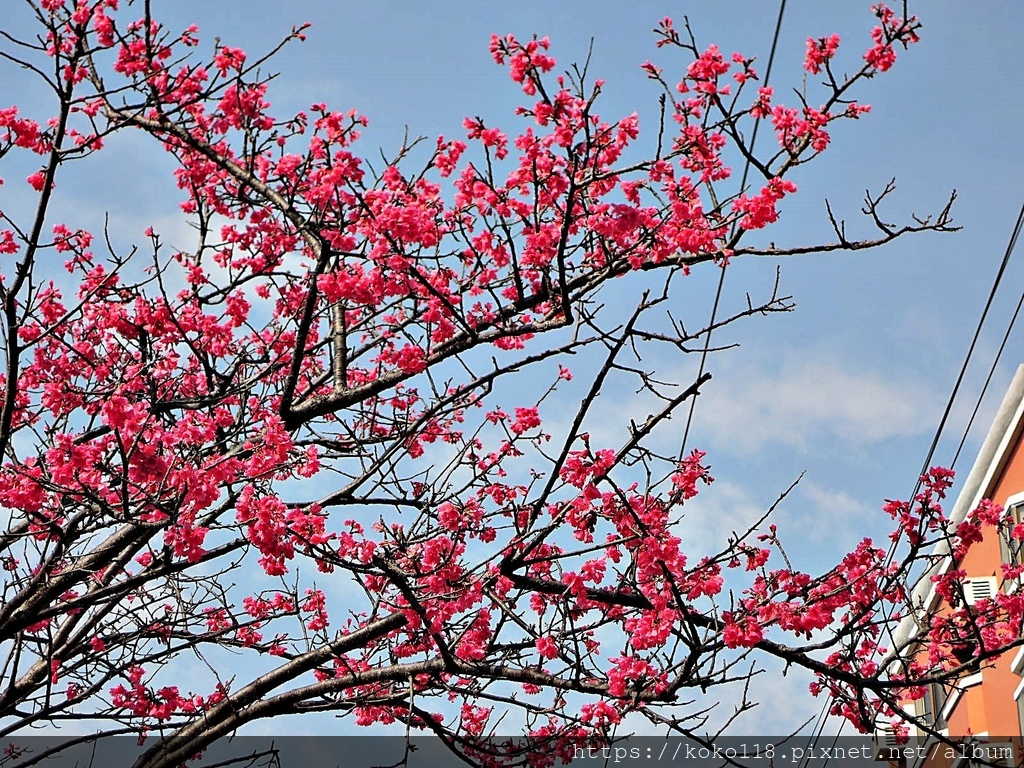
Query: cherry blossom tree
[[323, 458]]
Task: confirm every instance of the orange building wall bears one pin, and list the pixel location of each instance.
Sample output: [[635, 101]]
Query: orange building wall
[[989, 707]]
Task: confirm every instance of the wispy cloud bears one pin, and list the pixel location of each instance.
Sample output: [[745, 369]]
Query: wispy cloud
[[810, 400], [816, 523], [718, 513], [828, 515]]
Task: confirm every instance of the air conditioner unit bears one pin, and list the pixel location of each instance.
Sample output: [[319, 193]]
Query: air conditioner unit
[[979, 588]]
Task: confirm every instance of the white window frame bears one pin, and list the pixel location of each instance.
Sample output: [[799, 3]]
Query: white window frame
[[1015, 505]]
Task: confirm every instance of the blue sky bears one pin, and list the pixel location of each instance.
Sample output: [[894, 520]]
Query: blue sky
[[850, 385], [848, 388]]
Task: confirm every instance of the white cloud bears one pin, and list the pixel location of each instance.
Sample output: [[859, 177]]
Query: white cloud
[[711, 518], [809, 400], [832, 517], [816, 523]]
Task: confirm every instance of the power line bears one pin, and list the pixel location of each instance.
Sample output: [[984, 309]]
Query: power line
[[949, 407], [970, 351], [822, 719], [1010, 246], [1002, 346], [725, 264]]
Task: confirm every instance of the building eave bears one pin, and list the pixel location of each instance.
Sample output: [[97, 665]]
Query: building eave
[[981, 481]]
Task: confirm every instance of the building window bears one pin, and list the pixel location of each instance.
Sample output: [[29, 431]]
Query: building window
[[931, 706], [937, 697], [1013, 550]]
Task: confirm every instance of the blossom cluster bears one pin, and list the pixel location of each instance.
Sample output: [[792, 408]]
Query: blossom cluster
[[353, 324]]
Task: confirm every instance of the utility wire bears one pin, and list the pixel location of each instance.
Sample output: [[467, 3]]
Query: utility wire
[[959, 381], [948, 410], [721, 276], [970, 351], [1010, 246], [1002, 346]]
